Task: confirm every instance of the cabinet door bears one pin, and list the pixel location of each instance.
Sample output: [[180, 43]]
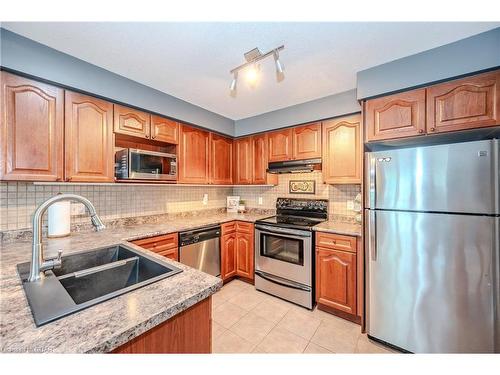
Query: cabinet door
[[307, 141], [342, 150], [244, 255], [472, 102], [194, 154], [89, 154], [132, 122], [31, 130], [221, 160], [280, 145], [336, 279], [228, 256], [259, 145], [395, 116], [243, 163], [164, 130]]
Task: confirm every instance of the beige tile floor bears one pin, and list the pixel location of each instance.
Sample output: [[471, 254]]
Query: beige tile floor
[[248, 321]]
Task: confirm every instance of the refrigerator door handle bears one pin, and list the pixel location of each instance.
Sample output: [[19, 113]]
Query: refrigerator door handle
[[372, 179], [372, 229]]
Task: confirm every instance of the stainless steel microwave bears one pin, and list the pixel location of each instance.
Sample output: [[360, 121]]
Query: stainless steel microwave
[[135, 164]]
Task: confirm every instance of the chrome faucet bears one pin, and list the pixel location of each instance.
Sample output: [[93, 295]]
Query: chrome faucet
[[38, 264]]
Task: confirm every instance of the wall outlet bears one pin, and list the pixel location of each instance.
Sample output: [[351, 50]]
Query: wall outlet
[[77, 209], [350, 205], [260, 201], [205, 199]]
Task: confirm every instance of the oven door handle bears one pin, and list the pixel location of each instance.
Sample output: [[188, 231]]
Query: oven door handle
[[280, 281], [274, 230]]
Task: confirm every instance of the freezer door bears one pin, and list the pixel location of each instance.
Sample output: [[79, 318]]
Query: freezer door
[[460, 177], [431, 281]]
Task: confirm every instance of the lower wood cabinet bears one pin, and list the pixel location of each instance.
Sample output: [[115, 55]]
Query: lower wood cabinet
[[187, 332], [166, 245], [336, 273], [237, 250]]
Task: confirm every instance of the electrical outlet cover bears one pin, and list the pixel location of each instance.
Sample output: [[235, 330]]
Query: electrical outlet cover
[[350, 205]]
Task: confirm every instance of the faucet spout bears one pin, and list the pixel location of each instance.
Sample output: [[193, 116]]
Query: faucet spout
[[38, 263]]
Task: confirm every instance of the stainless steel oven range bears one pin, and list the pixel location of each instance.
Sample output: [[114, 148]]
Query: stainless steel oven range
[[284, 249]]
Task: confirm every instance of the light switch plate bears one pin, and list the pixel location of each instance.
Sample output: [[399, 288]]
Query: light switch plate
[[350, 205]]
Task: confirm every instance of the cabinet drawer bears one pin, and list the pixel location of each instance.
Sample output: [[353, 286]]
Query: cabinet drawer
[[171, 253], [336, 242], [244, 227], [228, 227], [158, 243]]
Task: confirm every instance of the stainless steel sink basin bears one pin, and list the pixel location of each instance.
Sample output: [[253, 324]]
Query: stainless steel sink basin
[[89, 278]]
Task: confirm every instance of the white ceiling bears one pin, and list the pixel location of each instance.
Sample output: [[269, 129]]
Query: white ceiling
[[192, 60]]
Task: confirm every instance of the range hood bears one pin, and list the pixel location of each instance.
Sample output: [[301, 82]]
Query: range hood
[[293, 166]]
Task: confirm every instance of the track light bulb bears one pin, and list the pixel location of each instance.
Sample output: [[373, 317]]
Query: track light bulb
[[252, 75], [232, 88], [280, 75]]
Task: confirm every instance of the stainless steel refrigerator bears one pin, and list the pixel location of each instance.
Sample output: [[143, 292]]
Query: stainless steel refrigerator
[[432, 246]]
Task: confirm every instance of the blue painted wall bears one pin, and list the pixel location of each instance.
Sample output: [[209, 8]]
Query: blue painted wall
[[329, 106], [27, 56], [476, 53]]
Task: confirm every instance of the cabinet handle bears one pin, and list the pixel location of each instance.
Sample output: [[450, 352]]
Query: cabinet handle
[[153, 137], [433, 129], [147, 136], [421, 131]]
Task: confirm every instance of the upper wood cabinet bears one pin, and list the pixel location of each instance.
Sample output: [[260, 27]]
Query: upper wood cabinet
[[302, 142], [280, 145], [243, 163], [89, 146], [342, 150], [194, 155], [164, 129], [221, 160], [307, 141], [259, 159], [132, 122], [472, 102], [31, 130], [336, 279], [395, 116]]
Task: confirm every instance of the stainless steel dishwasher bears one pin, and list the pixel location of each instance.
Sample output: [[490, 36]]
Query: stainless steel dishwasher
[[200, 249]]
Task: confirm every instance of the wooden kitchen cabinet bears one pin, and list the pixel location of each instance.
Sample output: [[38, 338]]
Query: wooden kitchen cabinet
[[336, 274], [237, 250], [259, 159], [395, 116], [280, 145], [89, 140], [129, 121], [221, 160], [31, 130], [467, 103], [166, 245], [243, 163], [307, 141], [342, 150], [228, 255], [164, 130], [244, 255], [194, 155]]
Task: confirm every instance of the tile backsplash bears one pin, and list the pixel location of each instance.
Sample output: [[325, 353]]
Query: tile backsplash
[[18, 200], [338, 195]]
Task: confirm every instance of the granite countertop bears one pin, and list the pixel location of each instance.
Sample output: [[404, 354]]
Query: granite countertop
[[105, 326], [348, 229]]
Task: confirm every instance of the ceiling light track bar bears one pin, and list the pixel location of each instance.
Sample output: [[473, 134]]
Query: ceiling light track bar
[[261, 57]]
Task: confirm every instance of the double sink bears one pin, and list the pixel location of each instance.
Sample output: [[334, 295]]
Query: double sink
[[88, 278]]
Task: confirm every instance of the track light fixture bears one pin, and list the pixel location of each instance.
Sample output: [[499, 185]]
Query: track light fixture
[[251, 67]]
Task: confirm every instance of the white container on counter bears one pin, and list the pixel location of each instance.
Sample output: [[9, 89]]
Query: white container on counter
[[59, 219]]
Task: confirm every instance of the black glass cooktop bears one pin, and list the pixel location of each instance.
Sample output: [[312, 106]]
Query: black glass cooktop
[[289, 221]]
